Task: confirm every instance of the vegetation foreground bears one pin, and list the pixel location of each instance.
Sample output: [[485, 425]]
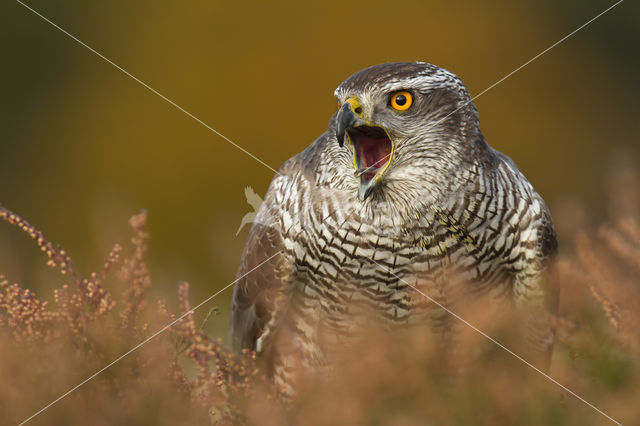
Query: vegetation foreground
[[183, 376]]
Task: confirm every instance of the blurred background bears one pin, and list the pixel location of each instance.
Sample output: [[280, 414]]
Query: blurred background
[[83, 146]]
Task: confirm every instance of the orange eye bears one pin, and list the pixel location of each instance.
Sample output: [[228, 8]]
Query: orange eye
[[401, 100]]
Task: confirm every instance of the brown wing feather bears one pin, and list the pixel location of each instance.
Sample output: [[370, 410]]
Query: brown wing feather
[[256, 292], [258, 297], [538, 328], [549, 251]]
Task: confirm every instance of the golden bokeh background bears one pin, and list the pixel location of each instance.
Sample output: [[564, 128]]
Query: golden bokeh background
[[83, 146]]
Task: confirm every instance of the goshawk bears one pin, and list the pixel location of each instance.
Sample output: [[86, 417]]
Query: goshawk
[[401, 192]]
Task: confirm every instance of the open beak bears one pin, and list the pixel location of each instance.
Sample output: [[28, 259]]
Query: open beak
[[372, 146]]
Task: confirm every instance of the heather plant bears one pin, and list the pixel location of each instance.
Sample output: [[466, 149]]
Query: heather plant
[[49, 348], [184, 376]]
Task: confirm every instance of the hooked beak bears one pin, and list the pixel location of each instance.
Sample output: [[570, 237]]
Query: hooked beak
[[346, 119], [371, 143]]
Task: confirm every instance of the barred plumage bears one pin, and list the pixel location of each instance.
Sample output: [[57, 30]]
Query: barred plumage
[[443, 204]]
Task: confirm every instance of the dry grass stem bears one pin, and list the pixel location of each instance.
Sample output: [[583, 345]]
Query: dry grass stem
[[402, 378]]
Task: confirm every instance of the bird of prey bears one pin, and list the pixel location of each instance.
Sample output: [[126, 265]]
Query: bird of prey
[[401, 189], [254, 201]]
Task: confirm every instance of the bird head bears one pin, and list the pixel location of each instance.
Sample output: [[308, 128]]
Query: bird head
[[403, 121]]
